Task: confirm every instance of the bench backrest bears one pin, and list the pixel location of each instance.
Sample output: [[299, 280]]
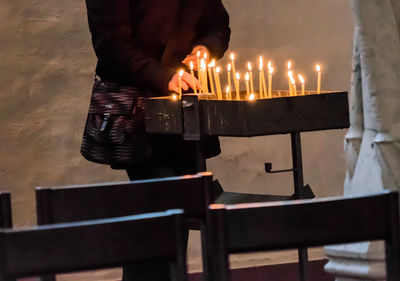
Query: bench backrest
[[96, 201], [69, 247], [303, 223]]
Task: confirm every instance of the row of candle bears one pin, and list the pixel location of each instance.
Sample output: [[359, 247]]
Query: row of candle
[[210, 73]]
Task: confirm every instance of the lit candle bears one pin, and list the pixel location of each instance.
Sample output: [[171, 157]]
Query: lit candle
[[174, 97], [203, 69], [233, 63], [252, 96], [246, 78], [180, 83], [318, 67], [228, 93], [210, 67], [293, 85], [289, 66], [237, 85], [198, 66], [205, 72], [303, 86], [251, 77], [229, 78], [270, 71], [290, 77], [194, 79], [218, 82], [260, 76]]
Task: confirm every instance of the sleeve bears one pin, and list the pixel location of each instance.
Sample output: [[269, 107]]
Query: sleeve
[[110, 25], [213, 28]]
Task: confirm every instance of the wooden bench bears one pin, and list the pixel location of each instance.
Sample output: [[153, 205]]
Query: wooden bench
[[303, 223], [191, 193], [106, 243]]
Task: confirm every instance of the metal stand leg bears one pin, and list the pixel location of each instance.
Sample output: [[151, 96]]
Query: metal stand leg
[[298, 190], [201, 160]]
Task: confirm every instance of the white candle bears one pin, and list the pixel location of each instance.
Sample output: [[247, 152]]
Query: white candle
[[218, 82], [293, 85], [251, 77], [303, 87], [203, 69], [180, 83], [210, 67], [260, 76], [194, 79], [237, 85], [318, 68], [198, 66], [229, 78], [228, 93], [246, 78], [233, 63], [290, 77], [270, 71]]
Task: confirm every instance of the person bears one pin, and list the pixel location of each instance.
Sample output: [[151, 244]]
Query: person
[[142, 43]]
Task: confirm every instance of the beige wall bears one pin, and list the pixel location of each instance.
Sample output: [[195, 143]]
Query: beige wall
[[46, 74]]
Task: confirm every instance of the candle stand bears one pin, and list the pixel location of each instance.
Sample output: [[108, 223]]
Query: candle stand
[[195, 116]]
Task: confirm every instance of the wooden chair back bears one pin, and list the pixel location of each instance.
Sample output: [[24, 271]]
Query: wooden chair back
[[5, 210], [303, 223], [96, 201], [106, 243]]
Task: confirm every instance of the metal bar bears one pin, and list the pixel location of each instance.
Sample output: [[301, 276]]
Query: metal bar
[[200, 158], [298, 187]]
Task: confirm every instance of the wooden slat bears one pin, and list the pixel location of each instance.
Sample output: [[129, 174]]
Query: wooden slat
[[96, 201], [89, 245], [313, 223]]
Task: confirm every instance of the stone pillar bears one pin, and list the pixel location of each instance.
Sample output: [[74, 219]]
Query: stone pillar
[[372, 144]]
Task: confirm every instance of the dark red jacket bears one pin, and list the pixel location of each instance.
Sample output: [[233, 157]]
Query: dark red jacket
[[130, 37]]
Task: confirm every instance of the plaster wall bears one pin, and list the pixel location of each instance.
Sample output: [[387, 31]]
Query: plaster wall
[[46, 74]]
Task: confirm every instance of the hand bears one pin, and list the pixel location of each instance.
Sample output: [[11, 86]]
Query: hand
[[193, 55], [187, 81]]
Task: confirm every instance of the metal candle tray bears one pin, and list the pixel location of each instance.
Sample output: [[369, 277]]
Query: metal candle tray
[[193, 116]]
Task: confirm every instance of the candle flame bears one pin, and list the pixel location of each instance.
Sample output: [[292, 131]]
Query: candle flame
[[218, 69], [191, 65], [318, 67], [249, 66], [247, 77], [292, 80], [237, 76], [252, 96], [202, 64], [271, 70], [261, 63], [198, 54], [180, 73], [205, 56], [232, 56], [229, 67], [228, 90], [212, 63], [174, 97], [290, 74], [301, 79], [289, 65]]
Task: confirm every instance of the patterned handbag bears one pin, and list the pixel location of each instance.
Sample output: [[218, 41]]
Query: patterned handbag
[[115, 129]]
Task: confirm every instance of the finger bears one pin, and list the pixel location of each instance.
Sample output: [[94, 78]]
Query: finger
[[189, 80], [185, 86]]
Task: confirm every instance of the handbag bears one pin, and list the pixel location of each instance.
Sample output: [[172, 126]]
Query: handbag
[[114, 133]]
